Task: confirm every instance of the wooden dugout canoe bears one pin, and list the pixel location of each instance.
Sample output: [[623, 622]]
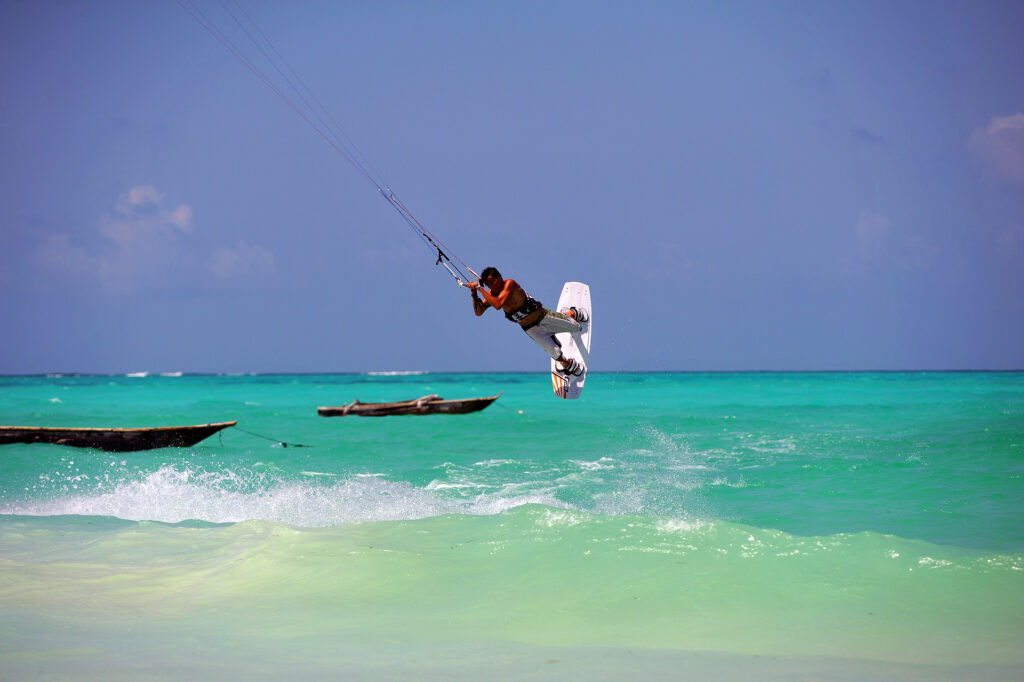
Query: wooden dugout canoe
[[428, 404], [113, 440]]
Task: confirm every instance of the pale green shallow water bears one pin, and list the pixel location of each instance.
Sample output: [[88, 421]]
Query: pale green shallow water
[[704, 526]]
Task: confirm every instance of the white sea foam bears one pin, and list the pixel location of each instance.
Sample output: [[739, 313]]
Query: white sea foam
[[495, 463], [725, 482], [439, 485], [172, 494], [399, 373], [603, 463], [560, 517], [679, 525]]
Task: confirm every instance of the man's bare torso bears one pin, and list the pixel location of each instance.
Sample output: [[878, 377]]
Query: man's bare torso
[[517, 299]]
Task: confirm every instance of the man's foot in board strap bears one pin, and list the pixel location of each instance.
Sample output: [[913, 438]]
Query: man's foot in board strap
[[573, 369], [580, 314]]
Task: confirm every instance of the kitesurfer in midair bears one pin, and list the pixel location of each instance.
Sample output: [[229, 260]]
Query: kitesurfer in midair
[[539, 323]]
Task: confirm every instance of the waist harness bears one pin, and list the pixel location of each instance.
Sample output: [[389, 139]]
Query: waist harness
[[532, 305]]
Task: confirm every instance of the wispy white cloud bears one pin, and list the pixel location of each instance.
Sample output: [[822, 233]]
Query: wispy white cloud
[[1000, 147], [241, 261], [59, 254], [880, 241], [139, 216], [144, 243]]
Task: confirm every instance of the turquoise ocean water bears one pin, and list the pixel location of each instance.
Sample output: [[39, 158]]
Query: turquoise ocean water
[[666, 526]]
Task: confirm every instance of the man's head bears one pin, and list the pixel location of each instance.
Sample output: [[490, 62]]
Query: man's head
[[489, 275]]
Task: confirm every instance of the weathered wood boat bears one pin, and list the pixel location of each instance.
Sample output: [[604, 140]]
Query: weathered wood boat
[[428, 404], [113, 440]]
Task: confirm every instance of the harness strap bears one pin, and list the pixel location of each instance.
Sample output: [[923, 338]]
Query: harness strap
[[532, 305]]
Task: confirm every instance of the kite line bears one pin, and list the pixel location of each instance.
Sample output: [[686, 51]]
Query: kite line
[[291, 89]]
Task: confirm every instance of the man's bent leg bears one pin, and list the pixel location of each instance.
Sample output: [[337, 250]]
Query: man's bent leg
[[556, 323], [545, 340], [543, 333]]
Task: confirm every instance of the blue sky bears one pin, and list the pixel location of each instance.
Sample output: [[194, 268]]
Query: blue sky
[[762, 185]]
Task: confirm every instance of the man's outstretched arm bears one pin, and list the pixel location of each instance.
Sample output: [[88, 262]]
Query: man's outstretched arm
[[479, 307]]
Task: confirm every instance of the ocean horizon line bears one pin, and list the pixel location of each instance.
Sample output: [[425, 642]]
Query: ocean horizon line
[[413, 373]]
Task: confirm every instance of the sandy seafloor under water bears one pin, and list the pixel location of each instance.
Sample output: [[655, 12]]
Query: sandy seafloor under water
[[833, 526]]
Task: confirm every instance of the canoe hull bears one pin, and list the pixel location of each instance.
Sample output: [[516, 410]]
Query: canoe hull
[[113, 440], [422, 406]]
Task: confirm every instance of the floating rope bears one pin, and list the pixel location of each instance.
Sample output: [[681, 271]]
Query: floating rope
[[280, 442], [304, 103]]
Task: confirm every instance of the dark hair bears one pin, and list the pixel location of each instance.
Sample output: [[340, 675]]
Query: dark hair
[[488, 271]]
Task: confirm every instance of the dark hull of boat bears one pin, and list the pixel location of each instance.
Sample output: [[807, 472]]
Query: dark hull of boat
[[421, 406], [113, 440]]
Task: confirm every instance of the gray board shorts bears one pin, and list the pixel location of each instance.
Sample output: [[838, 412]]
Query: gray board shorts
[[543, 333]]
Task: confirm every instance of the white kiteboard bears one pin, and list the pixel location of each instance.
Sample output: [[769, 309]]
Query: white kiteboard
[[576, 346]]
